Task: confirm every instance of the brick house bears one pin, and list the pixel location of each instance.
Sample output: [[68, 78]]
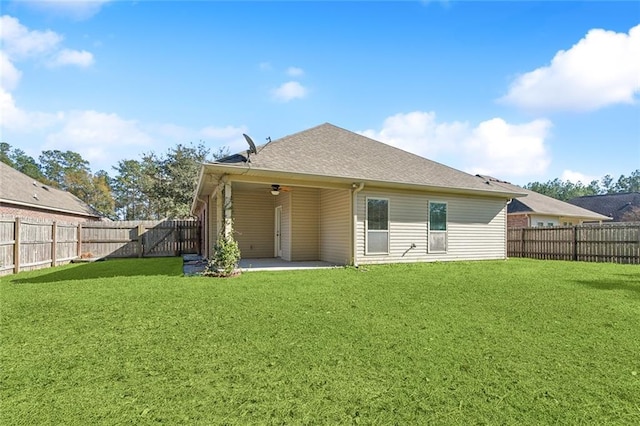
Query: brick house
[[22, 196]]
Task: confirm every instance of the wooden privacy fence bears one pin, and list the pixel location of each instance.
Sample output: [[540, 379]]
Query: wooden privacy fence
[[27, 244], [618, 243]]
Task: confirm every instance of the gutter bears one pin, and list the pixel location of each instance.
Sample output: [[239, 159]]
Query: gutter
[[354, 225], [314, 178]]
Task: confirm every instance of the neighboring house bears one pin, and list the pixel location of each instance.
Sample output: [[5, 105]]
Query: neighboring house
[[332, 195], [538, 210], [22, 196], [619, 207]]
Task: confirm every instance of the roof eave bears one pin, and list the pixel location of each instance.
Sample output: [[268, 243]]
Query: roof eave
[[215, 168], [51, 209]]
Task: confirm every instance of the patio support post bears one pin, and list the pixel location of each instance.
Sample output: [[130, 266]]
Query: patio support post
[[354, 224], [219, 211], [227, 210]]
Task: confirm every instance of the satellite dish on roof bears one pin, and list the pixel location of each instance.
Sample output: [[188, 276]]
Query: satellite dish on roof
[[252, 146]]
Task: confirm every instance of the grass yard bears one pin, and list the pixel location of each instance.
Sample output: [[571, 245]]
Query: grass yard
[[504, 342]]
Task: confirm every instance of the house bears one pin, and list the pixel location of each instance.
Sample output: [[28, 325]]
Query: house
[[333, 195], [538, 210], [22, 196], [622, 207]]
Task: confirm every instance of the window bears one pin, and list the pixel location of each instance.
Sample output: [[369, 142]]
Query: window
[[540, 224], [377, 226], [437, 227], [550, 224]]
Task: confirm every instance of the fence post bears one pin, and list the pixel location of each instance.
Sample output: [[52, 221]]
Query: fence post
[[522, 242], [54, 242], [79, 241], [575, 242], [178, 227], [16, 246], [140, 244]]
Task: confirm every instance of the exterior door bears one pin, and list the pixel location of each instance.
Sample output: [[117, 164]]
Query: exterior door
[[278, 232]]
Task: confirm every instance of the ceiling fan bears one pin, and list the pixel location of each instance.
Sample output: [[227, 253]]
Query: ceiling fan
[[275, 189]]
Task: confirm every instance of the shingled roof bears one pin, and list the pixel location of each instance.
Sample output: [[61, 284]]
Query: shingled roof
[[328, 150], [538, 203], [613, 205], [18, 189]]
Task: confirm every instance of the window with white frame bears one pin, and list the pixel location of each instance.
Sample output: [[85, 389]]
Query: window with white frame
[[377, 226], [437, 227]]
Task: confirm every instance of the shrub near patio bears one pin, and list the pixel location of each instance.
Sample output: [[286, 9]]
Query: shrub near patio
[[518, 341]]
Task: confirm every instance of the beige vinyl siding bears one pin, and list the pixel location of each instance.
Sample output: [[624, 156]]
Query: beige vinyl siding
[[475, 227], [304, 223], [284, 200], [253, 214], [335, 226]]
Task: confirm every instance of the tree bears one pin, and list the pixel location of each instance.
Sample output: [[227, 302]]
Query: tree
[[628, 184], [57, 165], [101, 195], [20, 161], [175, 178], [567, 190], [131, 189], [70, 172], [5, 153], [563, 190]]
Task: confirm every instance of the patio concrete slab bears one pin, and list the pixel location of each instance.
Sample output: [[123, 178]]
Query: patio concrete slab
[[193, 265], [275, 264]]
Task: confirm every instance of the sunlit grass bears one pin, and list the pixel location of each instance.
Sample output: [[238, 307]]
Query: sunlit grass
[[505, 342]]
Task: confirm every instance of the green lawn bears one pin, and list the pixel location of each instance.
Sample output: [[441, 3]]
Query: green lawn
[[498, 342]]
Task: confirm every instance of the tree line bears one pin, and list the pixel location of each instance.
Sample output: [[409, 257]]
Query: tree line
[[566, 190], [157, 186]]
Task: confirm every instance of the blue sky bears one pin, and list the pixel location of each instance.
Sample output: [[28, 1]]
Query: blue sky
[[525, 91]]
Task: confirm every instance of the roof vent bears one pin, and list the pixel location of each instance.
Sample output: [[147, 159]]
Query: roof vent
[[46, 188], [35, 183], [35, 196]]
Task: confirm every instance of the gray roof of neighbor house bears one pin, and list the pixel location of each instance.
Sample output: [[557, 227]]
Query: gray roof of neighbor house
[[21, 190], [328, 150], [535, 202], [612, 205]]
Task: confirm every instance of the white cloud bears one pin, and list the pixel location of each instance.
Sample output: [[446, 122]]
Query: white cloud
[[295, 72], [493, 147], [601, 69], [498, 148], [97, 136], [420, 133], [75, 9], [19, 42], [289, 91], [72, 57], [575, 177], [10, 76], [18, 120]]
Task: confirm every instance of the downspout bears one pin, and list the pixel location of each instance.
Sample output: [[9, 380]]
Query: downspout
[[506, 228], [354, 225]]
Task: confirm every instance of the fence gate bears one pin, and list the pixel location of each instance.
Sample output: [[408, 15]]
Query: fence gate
[[170, 238]]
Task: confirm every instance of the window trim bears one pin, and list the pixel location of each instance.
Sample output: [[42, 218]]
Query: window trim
[[367, 230], [445, 232]]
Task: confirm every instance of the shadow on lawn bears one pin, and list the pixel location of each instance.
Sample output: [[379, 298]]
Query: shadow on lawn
[[106, 269], [612, 284]]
